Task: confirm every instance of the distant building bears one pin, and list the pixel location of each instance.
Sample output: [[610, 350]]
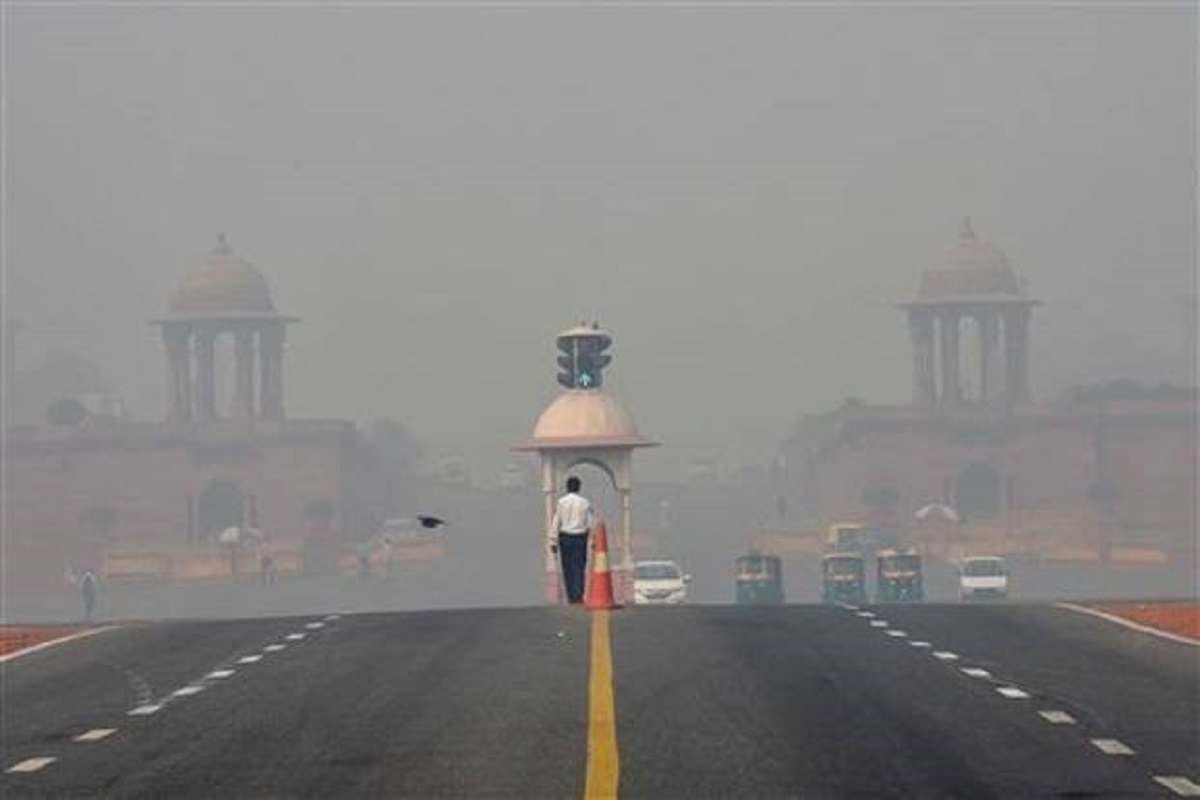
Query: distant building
[[1106, 464], [218, 459]]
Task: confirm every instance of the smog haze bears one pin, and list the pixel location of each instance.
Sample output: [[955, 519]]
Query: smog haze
[[740, 194]]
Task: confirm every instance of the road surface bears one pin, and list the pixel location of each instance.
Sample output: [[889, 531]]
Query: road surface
[[796, 701]]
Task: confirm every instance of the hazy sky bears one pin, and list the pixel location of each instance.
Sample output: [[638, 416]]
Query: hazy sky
[[739, 194]]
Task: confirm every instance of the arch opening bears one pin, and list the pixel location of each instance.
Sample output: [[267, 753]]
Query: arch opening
[[977, 490], [222, 505]]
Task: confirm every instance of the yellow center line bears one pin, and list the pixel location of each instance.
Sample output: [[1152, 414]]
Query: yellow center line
[[603, 765]]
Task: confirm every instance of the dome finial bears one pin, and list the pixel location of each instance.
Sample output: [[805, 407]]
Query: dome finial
[[966, 231]]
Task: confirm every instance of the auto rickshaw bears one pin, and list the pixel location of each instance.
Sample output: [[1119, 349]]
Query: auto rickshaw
[[898, 576], [844, 576], [759, 580]]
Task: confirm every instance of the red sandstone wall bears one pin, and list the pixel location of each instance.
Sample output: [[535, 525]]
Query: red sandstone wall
[[46, 492], [1052, 466]]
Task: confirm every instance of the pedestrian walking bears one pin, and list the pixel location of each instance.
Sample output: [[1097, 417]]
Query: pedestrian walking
[[267, 566], [364, 560], [569, 528], [87, 590]]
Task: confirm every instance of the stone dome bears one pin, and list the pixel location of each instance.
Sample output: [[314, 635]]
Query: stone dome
[[969, 268], [222, 285], [587, 417]]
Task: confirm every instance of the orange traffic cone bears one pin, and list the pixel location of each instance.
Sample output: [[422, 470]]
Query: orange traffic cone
[[600, 586]]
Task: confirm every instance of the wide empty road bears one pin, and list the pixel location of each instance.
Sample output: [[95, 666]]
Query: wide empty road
[[799, 701]]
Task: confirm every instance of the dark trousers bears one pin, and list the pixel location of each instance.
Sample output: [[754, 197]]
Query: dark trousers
[[572, 548]]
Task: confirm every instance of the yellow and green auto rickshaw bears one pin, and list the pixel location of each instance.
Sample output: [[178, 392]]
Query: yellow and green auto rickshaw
[[844, 577], [898, 576], [759, 580]]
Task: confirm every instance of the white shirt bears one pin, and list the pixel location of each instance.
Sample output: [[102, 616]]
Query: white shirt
[[573, 515]]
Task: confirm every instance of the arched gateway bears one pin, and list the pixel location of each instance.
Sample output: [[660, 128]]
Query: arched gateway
[[586, 425]]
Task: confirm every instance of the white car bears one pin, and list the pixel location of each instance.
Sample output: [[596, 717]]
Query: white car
[[659, 582], [983, 578]]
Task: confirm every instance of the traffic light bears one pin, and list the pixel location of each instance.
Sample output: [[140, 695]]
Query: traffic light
[[588, 370], [582, 362], [566, 370]]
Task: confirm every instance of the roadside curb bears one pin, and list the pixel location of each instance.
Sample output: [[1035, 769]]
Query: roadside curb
[[1136, 626], [4, 659]]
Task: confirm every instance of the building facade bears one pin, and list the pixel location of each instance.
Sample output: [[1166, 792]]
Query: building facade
[[1096, 467], [225, 455]]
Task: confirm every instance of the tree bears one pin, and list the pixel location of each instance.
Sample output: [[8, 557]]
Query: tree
[[66, 412], [398, 451], [100, 519], [1104, 494]]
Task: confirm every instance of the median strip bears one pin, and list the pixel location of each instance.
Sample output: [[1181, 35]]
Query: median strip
[[603, 764]]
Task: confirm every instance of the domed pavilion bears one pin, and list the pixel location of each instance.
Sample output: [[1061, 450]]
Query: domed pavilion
[[587, 426], [223, 296], [970, 288]]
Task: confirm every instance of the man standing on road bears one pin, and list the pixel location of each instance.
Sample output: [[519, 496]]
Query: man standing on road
[[87, 589], [569, 527]]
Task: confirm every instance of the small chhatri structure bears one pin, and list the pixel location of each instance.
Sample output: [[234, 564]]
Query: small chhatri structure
[[970, 288], [223, 296], [586, 425]]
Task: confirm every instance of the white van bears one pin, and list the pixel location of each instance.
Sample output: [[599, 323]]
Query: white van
[[983, 578], [659, 582]]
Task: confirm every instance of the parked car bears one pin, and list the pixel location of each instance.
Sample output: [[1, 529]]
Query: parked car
[[661, 582]]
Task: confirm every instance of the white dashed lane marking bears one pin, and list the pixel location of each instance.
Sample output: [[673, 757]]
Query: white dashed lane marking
[[878, 623], [920, 644], [333, 618], [866, 615], [976, 672], [95, 735], [1057, 717], [187, 691], [1179, 785], [146, 710], [274, 648], [294, 637], [217, 674], [249, 659], [32, 764], [312, 626], [1013, 693], [945, 655], [897, 634], [1112, 747]]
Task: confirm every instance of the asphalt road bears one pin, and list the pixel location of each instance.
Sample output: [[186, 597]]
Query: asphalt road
[[796, 701]]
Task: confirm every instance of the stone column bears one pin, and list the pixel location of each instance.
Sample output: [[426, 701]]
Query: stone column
[[626, 529], [951, 388], [243, 388], [270, 352], [920, 326], [551, 583], [179, 405], [989, 337], [206, 375], [1016, 352]]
